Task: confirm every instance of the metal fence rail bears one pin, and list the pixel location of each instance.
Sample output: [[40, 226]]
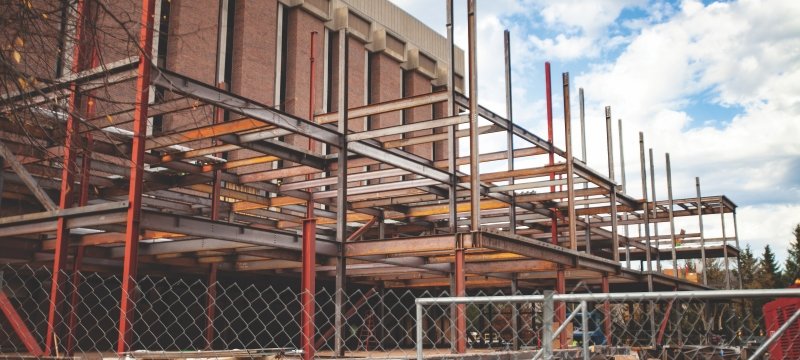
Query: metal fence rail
[[184, 316]]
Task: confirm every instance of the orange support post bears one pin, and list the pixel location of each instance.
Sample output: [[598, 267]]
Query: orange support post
[[19, 325], [606, 311], [54, 316], [309, 260], [461, 315], [132, 228]]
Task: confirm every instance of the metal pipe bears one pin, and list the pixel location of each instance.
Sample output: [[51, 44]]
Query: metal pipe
[[702, 235], [514, 313], [624, 190], [572, 219], [341, 193], [512, 220], [474, 175], [585, 329], [132, 224], [547, 324], [419, 331], [548, 350], [619, 297], [670, 204], [606, 310], [761, 349], [309, 256]]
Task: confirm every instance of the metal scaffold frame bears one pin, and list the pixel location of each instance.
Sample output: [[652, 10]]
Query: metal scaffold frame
[[317, 217]]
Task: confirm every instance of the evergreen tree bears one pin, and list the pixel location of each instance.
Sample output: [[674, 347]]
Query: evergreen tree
[[750, 268], [792, 266], [770, 274]]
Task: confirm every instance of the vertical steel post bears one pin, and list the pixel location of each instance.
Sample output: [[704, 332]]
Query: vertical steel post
[[725, 250], [702, 234], [670, 204], [474, 175], [547, 322], [561, 307], [132, 225], [585, 329], [211, 305], [613, 193], [655, 208], [341, 193], [587, 219], [308, 275], [551, 155], [606, 311], [573, 228], [461, 315], [512, 214], [624, 190], [2, 179], [419, 330], [66, 198], [724, 235], [452, 141], [648, 255]]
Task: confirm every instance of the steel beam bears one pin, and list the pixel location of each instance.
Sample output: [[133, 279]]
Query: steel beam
[[132, 223], [341, 188]]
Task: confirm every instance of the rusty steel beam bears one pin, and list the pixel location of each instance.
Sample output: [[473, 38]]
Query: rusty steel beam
[[26, 177], [385, 107], [132, 224]]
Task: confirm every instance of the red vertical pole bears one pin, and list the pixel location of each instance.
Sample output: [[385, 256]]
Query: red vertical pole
[[606, 312], [132, 226], [561, 308], [461, 315], [211, 304], [54, 316], [309, 272]]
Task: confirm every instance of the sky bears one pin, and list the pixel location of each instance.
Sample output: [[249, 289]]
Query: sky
[[715, 84]]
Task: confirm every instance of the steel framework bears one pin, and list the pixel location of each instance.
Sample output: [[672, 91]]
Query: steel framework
[[436, 224]]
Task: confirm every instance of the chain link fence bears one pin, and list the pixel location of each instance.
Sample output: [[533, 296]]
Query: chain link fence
[[254, 317]]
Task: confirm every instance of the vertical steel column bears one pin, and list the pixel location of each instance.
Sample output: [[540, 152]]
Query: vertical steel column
[[702, 235], [474, 174], [585, 330], [725, 251], [132, 226], [216, 187], [613, 193], [573, 228], [655, 208], [452, 141], [309, 272], [561, 307], [648, 255], [624, 190], [606, 311], [512, 214], [460, 287], [551, 158], [211, 305], [66, 198], [670, 204], [587, 219], [724, 238], [341, 193]]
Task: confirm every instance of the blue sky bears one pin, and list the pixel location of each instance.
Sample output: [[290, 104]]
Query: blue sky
[[715, 84]]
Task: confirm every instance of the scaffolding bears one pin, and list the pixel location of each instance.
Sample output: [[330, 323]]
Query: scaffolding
[[410, 222]]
